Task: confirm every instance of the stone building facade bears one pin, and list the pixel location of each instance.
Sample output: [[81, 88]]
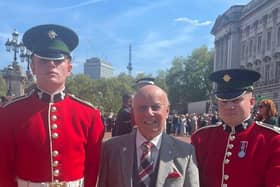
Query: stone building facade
[[248, 36]]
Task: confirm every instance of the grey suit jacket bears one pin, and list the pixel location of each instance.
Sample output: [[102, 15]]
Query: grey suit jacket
[[175, 156]]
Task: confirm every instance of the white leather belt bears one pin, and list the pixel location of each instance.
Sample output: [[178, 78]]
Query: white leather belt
[[76, 183]]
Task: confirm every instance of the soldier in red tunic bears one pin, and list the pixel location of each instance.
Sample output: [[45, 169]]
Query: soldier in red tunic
[[49, 138], [239, 152]]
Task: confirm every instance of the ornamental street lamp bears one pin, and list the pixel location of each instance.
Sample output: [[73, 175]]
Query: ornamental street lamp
[[13, 75], [14, 45], [25, 55]]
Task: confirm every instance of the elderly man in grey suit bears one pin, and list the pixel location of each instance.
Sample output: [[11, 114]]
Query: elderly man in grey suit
[[148, 157]]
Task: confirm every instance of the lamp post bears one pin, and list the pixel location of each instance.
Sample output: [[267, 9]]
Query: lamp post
[[14, 72], [9, 76], [14, 45], [25, 55]]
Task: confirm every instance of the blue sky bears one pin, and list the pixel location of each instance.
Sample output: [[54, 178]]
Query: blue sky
[[158, 30]]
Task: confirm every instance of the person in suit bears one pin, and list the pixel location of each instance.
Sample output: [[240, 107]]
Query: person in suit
[[166, 162], [48, 137], [239, 152]]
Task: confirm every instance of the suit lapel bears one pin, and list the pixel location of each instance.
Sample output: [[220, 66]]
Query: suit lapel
[[127, 158], [166, 156]]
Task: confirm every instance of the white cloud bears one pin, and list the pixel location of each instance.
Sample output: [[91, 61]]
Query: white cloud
[[193, 22], [156, 45], [81, 4]]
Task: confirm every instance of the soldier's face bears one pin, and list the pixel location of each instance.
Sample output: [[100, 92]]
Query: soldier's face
[[150, 108], [51, 75], [236, 111]]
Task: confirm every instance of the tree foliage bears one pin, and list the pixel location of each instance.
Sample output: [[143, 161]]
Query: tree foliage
[[104, 94], [187, 79]]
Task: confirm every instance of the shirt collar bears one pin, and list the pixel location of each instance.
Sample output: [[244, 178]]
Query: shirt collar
[[140, 139]]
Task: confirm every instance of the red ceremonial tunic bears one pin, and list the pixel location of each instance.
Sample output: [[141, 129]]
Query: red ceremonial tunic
[[49, 141], [245, 156]]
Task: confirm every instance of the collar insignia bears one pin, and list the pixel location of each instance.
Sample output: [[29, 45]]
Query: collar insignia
[[227, 78], [52, 34]]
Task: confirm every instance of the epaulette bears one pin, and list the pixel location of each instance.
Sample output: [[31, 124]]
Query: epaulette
[[268, 126], [18, 98], [81, 101], [207, 127]]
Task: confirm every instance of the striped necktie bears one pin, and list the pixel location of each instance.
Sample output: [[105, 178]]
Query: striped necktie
[[146, 164]]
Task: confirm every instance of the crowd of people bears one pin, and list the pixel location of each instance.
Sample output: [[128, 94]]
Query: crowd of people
[[50, 138], [178, 124], [186, 124]]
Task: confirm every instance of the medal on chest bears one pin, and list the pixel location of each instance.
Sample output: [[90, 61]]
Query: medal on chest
[[243, 149]]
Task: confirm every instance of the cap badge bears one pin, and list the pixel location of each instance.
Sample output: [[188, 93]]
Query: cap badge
[[52, 34], [226, 78]]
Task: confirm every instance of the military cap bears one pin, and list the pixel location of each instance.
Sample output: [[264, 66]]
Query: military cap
[[233, 83], [144, 81], [50, 41]]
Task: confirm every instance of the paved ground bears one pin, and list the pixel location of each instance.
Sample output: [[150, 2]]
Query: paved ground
[[183, 138]]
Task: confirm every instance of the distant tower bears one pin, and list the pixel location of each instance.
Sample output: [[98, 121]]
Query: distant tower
[[129, 66]]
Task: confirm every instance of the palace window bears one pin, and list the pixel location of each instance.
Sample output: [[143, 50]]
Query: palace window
[[278, 36], [278, 70], [266, 72], [259, 43], [268, 40], [243, 50], [250, 47]]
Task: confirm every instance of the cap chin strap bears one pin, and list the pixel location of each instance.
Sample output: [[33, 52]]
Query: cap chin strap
[[221, 99], [49, 58]]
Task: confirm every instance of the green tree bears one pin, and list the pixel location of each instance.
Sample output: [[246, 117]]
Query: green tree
[[174, 81], [110, 91], [160, 79], [197, 70], [81, 86], [187, 79], [104, 94]]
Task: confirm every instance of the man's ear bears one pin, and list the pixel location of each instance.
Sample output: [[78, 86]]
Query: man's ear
[[167, 111], [252, 101], [70, 67]]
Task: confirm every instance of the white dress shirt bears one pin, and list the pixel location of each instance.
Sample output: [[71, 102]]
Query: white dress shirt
[[156, 141]]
